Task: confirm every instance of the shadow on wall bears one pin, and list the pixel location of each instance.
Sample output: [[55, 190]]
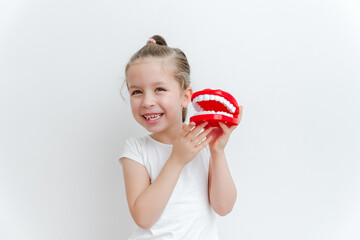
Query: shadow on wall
[[125, 219]]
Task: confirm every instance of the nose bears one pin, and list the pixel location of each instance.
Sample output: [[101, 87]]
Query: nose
[[148, 101]]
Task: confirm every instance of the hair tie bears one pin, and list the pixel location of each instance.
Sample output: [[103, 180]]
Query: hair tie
[[151, 41]]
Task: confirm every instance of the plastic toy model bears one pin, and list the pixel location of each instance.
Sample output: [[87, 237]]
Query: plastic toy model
[[214, 106]]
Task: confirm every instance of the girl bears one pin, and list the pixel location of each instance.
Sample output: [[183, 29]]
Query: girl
[[176, 177]]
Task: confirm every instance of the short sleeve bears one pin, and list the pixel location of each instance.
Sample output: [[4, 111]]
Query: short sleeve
[[132, 149]]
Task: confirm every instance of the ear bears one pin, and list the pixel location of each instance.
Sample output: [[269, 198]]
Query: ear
[[186, 97]]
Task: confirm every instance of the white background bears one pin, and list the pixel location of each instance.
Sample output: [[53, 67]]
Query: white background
[[293, 65]]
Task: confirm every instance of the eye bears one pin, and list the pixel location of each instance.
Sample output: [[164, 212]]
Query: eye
[[136, 92], [159, 89]]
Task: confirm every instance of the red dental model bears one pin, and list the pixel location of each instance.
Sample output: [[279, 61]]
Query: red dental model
[[215, 106]]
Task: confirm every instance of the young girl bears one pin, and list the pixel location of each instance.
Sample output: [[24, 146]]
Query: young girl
[[176, 177]]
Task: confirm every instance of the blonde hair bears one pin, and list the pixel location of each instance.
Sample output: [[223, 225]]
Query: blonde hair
[[160, 49]]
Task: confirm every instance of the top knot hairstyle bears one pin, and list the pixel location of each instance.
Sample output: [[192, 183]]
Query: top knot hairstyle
[[156, 46]]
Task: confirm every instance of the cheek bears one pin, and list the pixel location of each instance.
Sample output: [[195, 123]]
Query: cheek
[[170, 103], [134, 104]]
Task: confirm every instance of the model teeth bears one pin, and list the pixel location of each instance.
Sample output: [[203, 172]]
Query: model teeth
[[208, 97], [213, 112], [197, 107], [153, 117]]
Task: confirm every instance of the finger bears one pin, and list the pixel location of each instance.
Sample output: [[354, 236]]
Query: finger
[[204, 143], [232, 128], [241, 108], [187, 129], [196, 130], [224, 127], [201, 136]]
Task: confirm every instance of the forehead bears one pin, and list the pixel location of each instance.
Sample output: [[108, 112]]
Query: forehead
[[149, 71]]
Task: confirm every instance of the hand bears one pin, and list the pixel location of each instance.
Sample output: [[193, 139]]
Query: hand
[[190, 142], [221, 135]]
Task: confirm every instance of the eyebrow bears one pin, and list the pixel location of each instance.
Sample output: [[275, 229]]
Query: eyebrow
[[154, 84], [133, 86]]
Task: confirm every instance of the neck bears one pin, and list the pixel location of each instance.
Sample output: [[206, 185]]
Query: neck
[[167, 137]]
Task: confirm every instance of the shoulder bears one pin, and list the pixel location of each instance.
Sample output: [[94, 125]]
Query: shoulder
[[134, 148], [136, 141], [140, 143]]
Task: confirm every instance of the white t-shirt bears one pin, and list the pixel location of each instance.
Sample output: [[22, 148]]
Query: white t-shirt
[[188, 214]]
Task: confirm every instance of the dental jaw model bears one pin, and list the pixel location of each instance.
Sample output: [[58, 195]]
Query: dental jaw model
[[214, 106]]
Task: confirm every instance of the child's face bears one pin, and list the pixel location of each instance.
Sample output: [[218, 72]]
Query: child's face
[[156, 97]]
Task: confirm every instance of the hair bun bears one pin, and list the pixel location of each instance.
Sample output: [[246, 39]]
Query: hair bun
[[159, 40]]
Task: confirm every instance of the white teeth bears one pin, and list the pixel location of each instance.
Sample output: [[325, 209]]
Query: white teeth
[[207, 97], [222, 100], [152, 117]]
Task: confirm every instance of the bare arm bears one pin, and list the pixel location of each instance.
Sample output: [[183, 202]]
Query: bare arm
[[148, 200], [222, 190]]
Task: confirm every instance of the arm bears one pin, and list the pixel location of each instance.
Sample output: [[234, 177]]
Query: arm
[[222, 190], [148, 200]]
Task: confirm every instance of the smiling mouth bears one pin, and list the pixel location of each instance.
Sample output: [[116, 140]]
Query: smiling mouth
[[214, 106], [152, 117]]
